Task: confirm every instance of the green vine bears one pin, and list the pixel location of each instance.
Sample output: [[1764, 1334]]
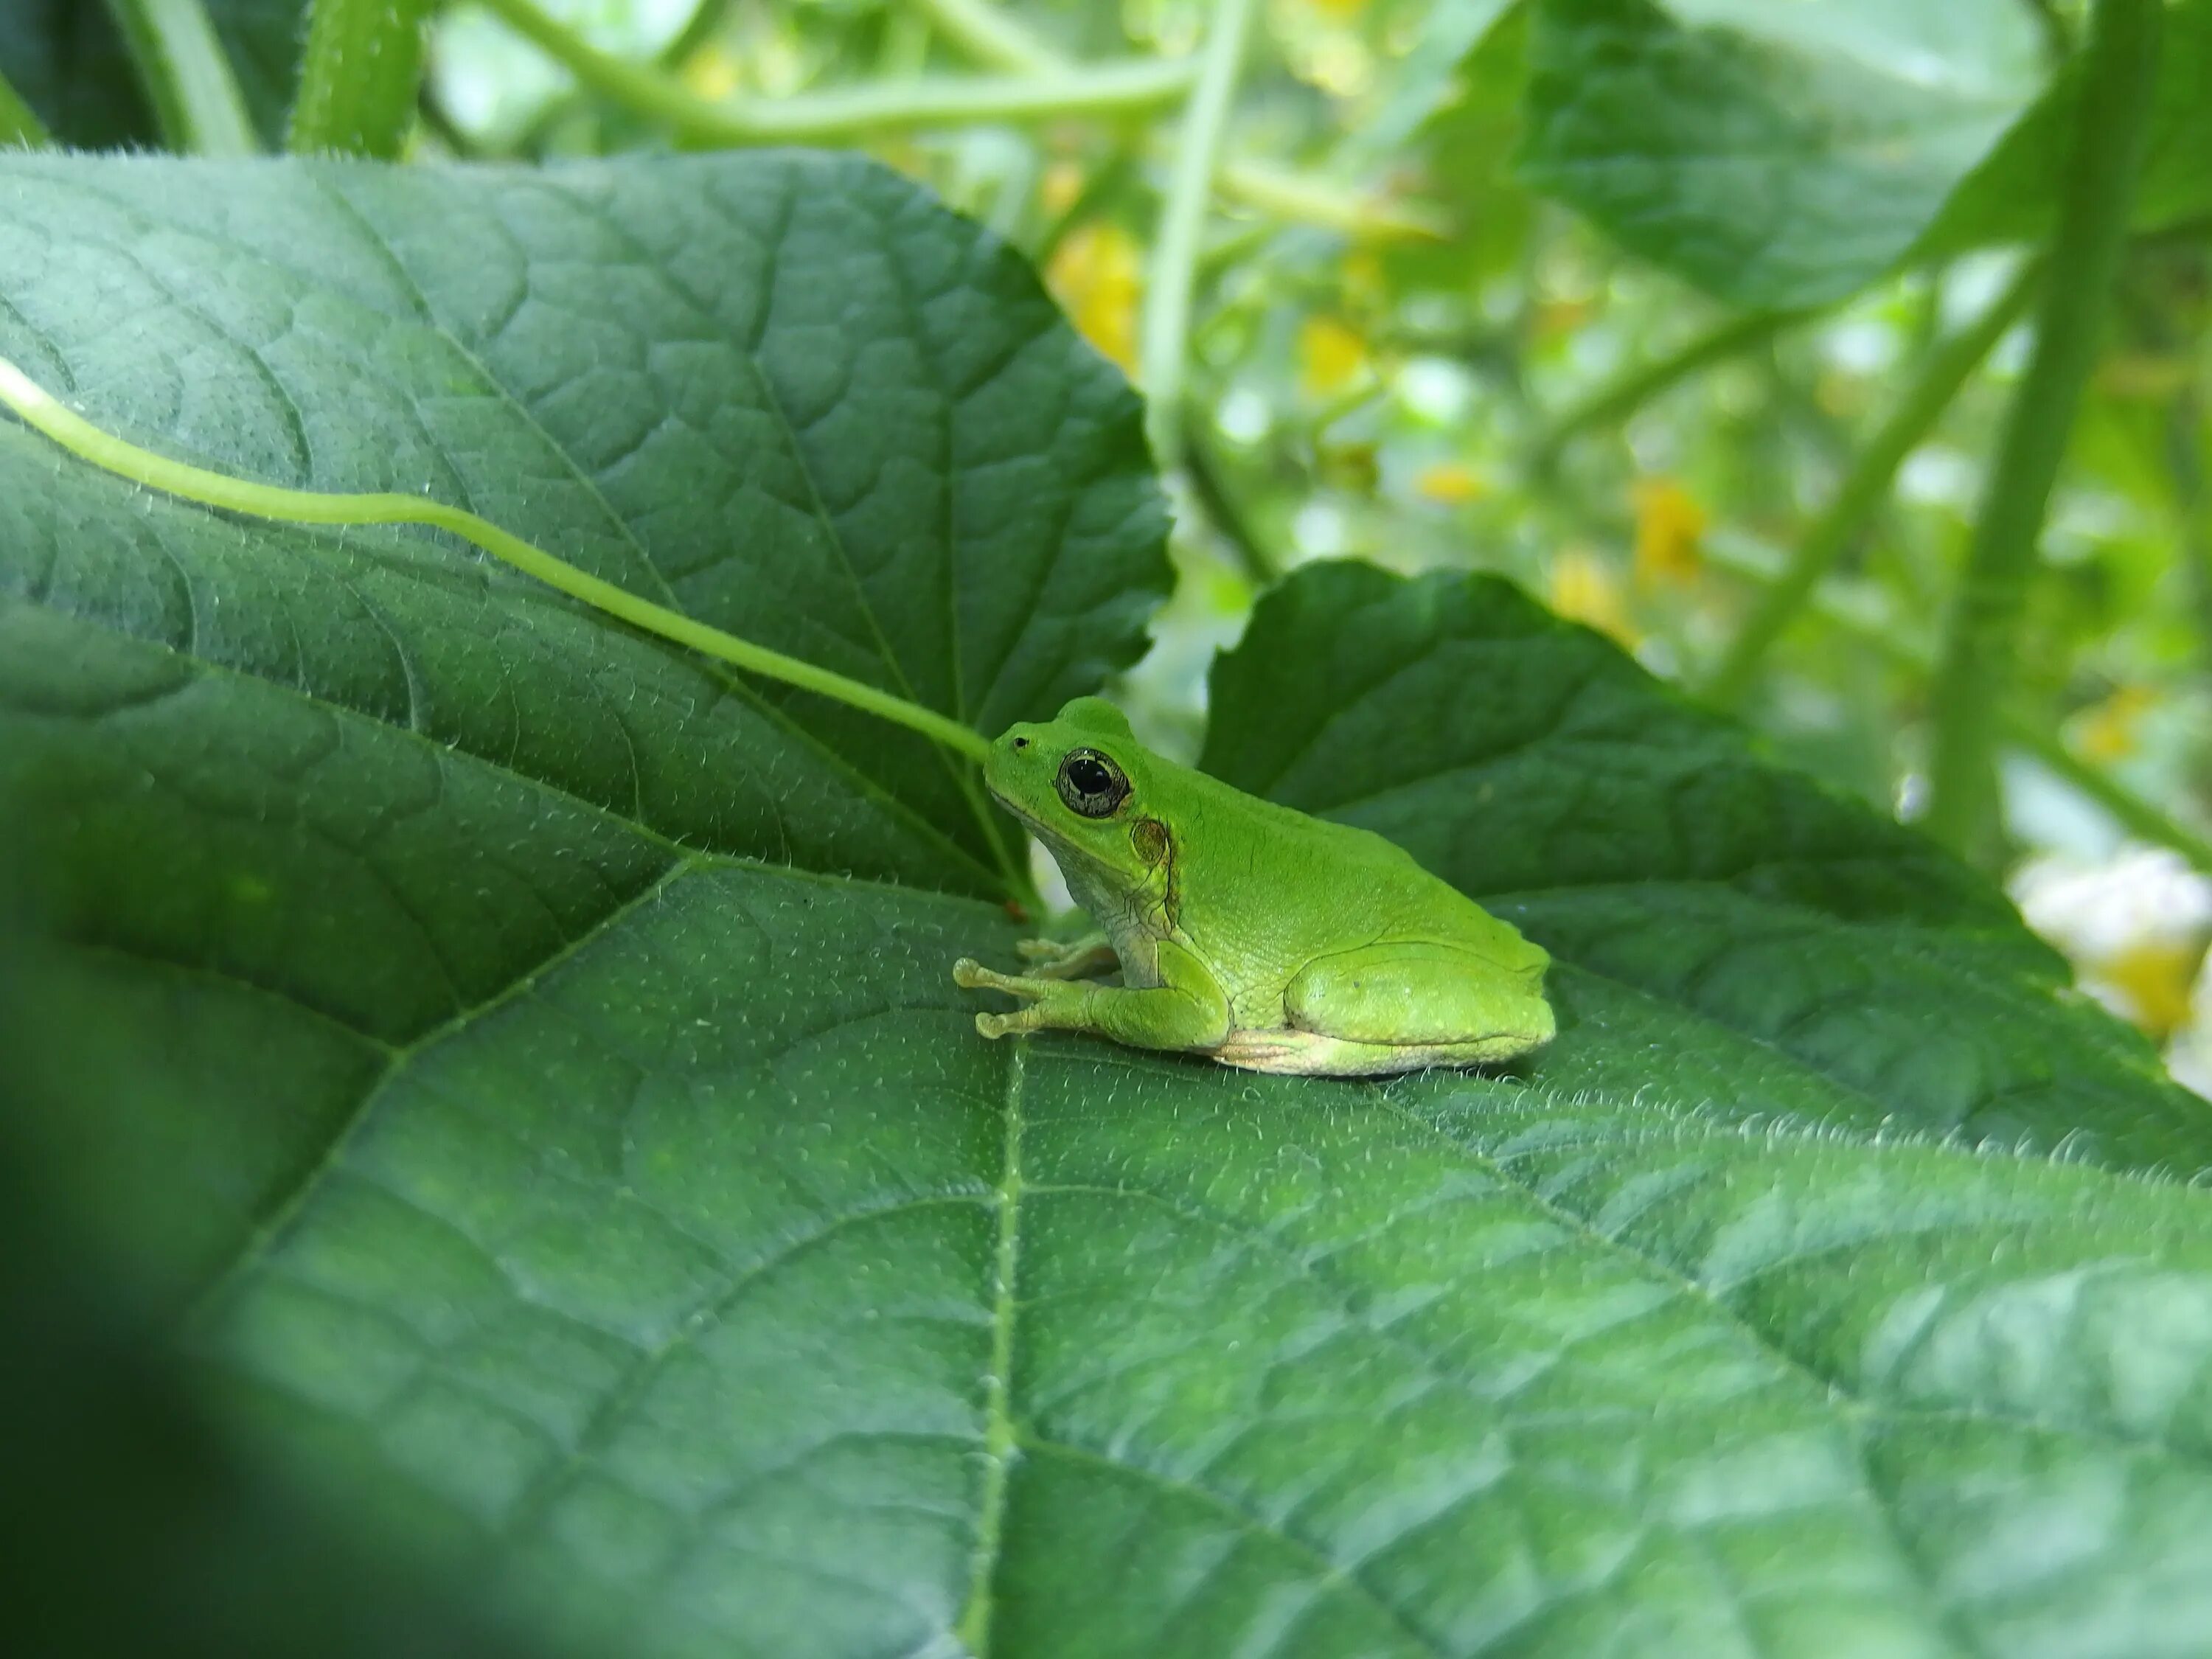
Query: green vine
[[44, 413], [1169, 285], [195, 96], [992, 37], [1864, 487], [827, 117], [359, 75], [2025, 732], [1613, 403], [1974, 674]]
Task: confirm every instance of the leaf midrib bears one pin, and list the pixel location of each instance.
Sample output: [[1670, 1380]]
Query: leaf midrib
[[1001, 1435]]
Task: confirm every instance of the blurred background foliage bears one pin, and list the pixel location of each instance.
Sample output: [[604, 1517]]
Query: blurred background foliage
[[1704, 320]]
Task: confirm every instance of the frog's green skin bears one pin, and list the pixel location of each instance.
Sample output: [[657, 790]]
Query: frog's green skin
[[1244, 930]]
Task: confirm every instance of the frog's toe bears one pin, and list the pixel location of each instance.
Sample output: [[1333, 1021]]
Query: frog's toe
[[970, 975], [993, 1025]]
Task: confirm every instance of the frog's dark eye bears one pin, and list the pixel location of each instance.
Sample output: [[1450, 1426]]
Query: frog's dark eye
[[1090, 784]]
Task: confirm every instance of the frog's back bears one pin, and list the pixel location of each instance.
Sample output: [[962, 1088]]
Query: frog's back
[[1324, 886]]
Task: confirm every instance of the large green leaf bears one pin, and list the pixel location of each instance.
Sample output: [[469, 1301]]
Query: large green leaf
[[2013, 194], [531, 1061], [1775, 155], [1455, 117], [1785, 952]]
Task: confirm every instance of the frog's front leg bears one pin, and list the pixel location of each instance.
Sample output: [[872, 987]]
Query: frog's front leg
[[1083, 959], [1188, 1010]]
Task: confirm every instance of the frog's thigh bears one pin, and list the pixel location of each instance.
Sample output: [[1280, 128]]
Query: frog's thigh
[[1412, 993]]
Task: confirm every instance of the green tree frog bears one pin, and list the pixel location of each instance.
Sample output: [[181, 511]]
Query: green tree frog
[[1244, 930]]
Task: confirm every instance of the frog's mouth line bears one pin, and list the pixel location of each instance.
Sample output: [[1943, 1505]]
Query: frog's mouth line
[[1038, 828], [1029, 821], [1009, 806]]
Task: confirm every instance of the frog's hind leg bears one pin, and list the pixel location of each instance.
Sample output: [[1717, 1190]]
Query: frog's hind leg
[[1431, 1004], [1083, 959]]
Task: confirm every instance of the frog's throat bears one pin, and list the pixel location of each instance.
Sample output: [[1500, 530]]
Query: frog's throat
[[1054, 843]]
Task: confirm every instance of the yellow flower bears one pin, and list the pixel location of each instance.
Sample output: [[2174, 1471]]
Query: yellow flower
[[1449, 483], [1097, 274], [2154, 976], [1585, 588], [1669, 522], [2112, 730], [1330, 353]]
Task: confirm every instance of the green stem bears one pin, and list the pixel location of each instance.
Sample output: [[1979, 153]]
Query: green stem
[[359, 76], [19, 122], [1864, 487], [1210, 490], [81, 438], [706, 23], [992, 37], [195, 96], [1974, 674], [820, 117], [2161, 319], [1169, 285], [1612, 403], [903, 52], [1894, 644], [1302, 200], [2184, 428], [2130, 811]]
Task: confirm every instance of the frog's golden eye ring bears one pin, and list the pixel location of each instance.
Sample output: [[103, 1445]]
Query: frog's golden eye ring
[[1090, 784]]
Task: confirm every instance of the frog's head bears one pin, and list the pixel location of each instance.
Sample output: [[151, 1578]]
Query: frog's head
[[1081, 781]]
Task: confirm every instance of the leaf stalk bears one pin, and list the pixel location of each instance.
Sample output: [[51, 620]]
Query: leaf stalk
[[1974, 672], [827, 117], [1165, 342], [997, 40], [1613, 403], [359, 76], [195, 95], [2141, 818], [1865, 486], [44, 413]]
